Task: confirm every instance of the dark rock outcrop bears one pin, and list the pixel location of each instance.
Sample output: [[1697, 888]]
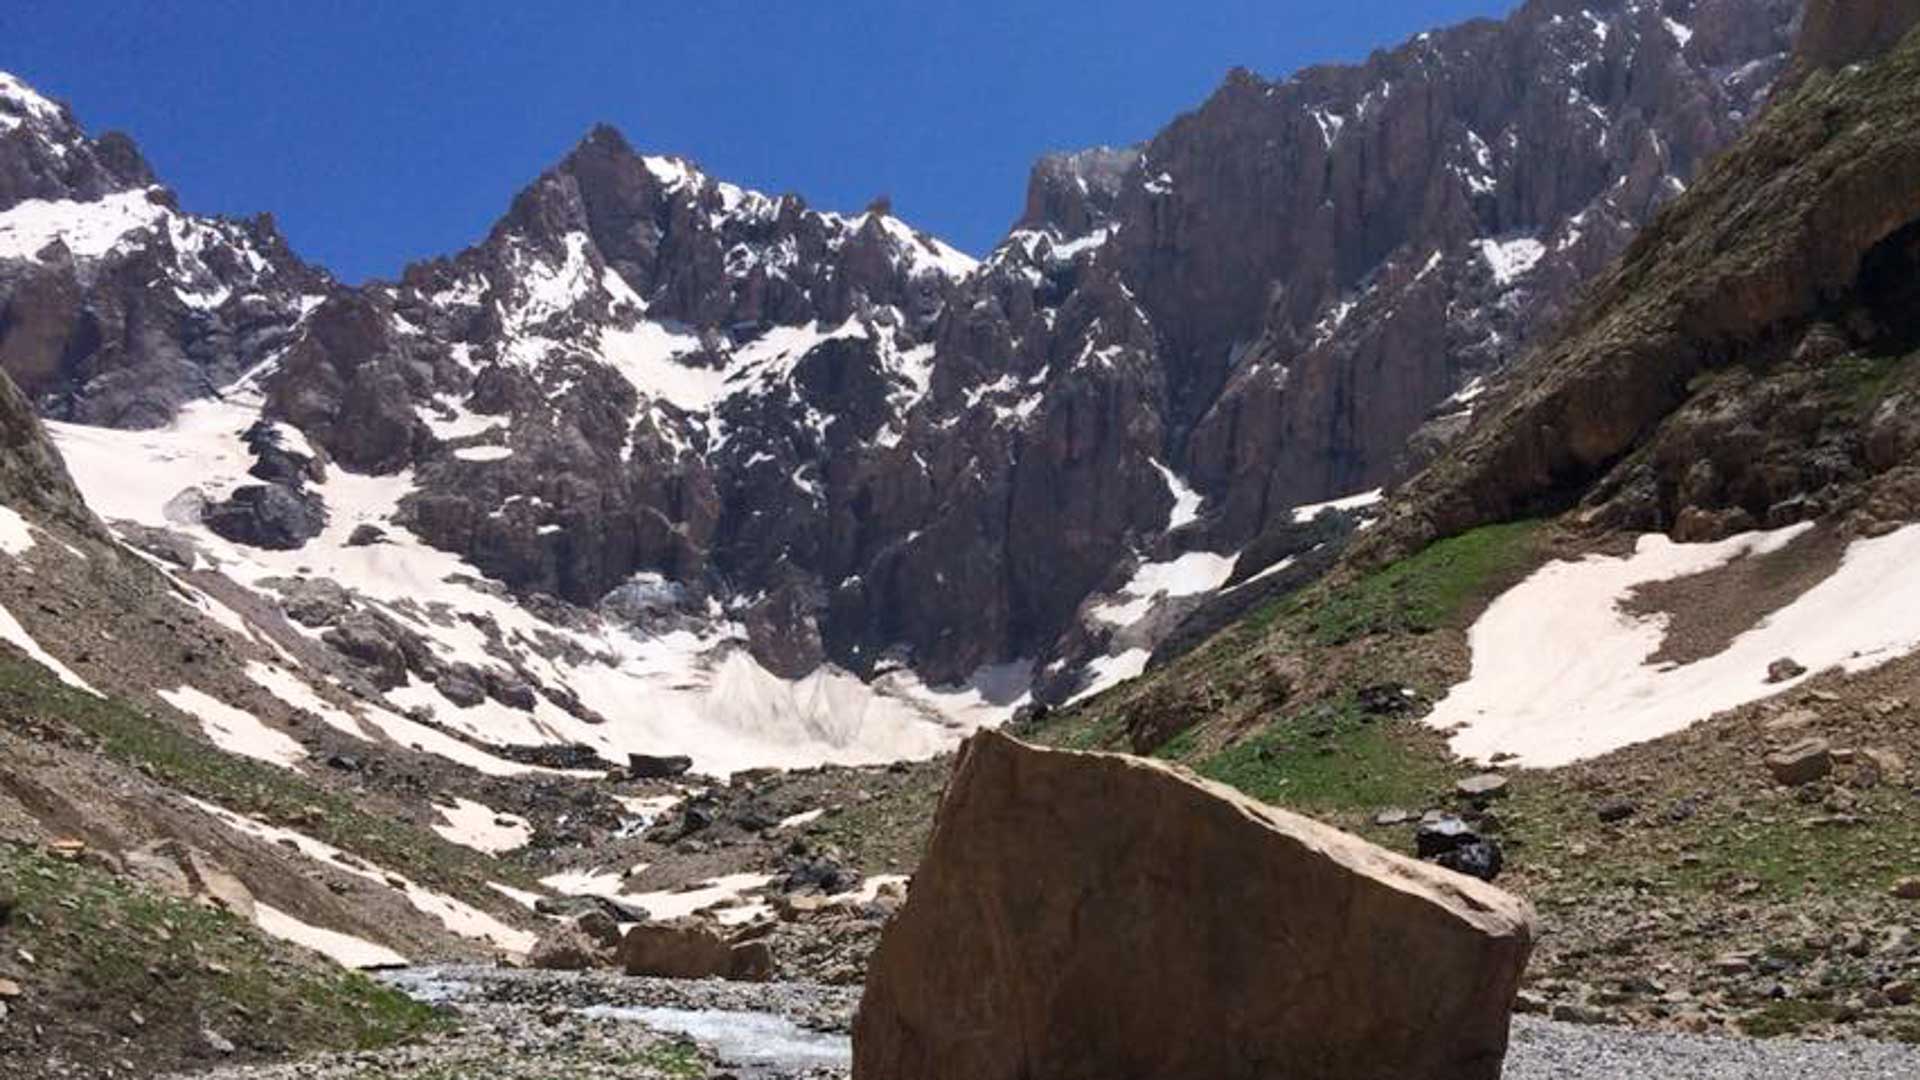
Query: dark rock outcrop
[[267, 515], [1119, 917]]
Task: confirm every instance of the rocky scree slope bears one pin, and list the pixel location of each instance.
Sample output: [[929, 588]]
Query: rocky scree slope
[[863, 447]]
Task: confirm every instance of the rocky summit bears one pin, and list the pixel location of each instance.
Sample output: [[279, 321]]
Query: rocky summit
[[866, 448], [1407, 571], [1108, 916]]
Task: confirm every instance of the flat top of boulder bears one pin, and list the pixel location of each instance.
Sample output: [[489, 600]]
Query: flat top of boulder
[[1486, 907]]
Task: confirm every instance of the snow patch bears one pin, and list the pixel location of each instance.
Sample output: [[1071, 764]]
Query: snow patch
[[1511, 259], [89, 229], [26, 101], [235, 730], [343, 949], [695, 691], [1361, 501], [483, 453], [294, 692], [480, 827], [16, 537], [1106, 672], [1560, 672], [457, 916], [1190, 574], [15, 634], [1186, 501]]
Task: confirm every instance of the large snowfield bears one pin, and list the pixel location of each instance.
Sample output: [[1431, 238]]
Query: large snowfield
[[1561, 673], [694, 692]]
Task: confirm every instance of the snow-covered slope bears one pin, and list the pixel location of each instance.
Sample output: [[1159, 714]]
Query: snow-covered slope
[[782, 468]]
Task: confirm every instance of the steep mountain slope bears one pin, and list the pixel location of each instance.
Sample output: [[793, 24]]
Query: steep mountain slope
[[1662, 586], [846, 445], [115, 307], [1741, 366]]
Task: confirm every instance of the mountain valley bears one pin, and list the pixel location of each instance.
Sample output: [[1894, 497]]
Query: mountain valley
[[1509, 436]]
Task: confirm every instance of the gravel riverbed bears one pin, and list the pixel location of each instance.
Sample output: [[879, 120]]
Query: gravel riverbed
[[522, 1025]]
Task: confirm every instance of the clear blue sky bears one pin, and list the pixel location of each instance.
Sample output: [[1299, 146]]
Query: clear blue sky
[[382, 133]]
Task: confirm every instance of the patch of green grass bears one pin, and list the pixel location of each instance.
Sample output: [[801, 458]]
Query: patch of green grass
[[676, 1057], [1865, 381], [1422, 592], [1791, 860], [1180, 747], [1333, 758], [106, 948], [195, 767], [1788, 1017]]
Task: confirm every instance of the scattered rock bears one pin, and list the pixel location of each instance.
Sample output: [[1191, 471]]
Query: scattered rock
[[1394, 816], [1483, 786], [1783, 669], [1385, 699], [460, 690], [1060, 871], [689, 949], [1480, 858], [822, 872], [366, 536], [1802, 763], [1613, 810], [1907, 888], [1733, 964], [1886, 766], [1792, 720], [652, 767], [1448, 841], [10, 990], [566, 947], [216, 1042], [579, 907]]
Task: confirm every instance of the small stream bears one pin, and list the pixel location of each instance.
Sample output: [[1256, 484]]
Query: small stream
[[763, 1030], [744, 1038]]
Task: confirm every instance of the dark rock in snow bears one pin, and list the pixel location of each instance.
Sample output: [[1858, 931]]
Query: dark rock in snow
[[272, 516], [654, 767], [577, 907]]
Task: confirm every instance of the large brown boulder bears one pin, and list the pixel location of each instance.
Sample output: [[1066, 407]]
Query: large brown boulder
[[689, 949], [567, 947], [1094, 915]]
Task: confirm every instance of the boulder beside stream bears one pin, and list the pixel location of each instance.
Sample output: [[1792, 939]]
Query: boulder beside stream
[[1096, 915]]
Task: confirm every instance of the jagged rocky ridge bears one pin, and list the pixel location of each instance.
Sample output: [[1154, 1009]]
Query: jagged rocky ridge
[[649, 387], [1742, 366]]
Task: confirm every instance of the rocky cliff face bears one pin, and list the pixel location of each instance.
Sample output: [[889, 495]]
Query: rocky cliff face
[[858, 445], [115, 307], [1840, 32], [1746, 363]]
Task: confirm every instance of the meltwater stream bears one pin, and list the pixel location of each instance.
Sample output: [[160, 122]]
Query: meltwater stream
[[746, 1038], [732, 1021]]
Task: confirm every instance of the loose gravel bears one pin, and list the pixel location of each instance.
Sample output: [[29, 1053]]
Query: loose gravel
[[596, 1026], [1545, 1050]]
